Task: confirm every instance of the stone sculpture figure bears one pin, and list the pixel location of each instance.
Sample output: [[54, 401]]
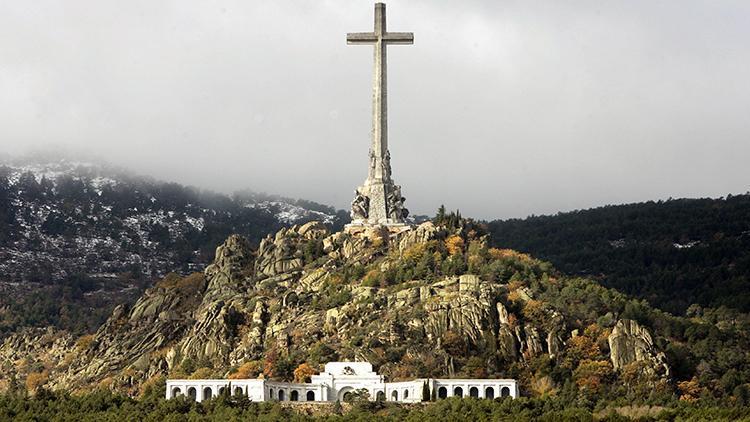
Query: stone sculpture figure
[[396, 210], [360, 206]]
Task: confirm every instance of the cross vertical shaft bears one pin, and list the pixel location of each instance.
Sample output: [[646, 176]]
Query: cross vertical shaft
[[380, 169]]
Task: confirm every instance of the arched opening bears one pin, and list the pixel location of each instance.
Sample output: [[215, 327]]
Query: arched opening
[[458, 392], [442, 392], [489, 393], [176, 392], [192, 393], [380, 396], [345, 394], [281, 395], [504, 392], [311, 396], [207, 393], [270, 393], [222, 390], [474, 392], [294, 396], [406, 394], [394, 396], [238, 391]]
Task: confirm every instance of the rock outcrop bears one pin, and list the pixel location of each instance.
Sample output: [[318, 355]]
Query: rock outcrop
[[462, 304], [629, 342], [134, 340], [284, 253], [421, 234], [33, 350]]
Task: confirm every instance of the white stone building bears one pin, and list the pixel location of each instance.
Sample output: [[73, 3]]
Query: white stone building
[[340, 379]]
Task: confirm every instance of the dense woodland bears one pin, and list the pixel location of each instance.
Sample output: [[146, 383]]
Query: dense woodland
[[105, 405], [673, 253]]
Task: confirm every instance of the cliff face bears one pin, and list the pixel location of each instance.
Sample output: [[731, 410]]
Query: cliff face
[[429, 302], [630, 343]]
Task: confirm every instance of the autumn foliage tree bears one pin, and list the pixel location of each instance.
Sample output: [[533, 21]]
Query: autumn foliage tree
[[690, 391], [247, 370], [202, 373], [454, 245], [453, 343], [580, 348], [36, 379], [269, 363], [303, 373], [592, 375]]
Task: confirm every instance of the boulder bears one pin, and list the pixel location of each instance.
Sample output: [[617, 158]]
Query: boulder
[[421, 234], [469, 283], [313, 230], [231, 258], [502, 314], [532, 344], [278, 256], [506, 343]]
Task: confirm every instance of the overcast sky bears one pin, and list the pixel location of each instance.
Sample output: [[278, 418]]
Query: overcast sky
[[500, 108]]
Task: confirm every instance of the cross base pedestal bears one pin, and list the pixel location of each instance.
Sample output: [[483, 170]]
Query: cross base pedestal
[[362, 228]]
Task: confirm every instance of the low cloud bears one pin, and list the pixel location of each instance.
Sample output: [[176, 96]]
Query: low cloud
[[502, 109]]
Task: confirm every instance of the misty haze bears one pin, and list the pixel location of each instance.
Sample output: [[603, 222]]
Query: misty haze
[[501, 109]]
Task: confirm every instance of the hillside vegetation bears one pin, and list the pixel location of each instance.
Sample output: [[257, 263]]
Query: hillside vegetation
[[436, 301], [680, 255], [104, 405]]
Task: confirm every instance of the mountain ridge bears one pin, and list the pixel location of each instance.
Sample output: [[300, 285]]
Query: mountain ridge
[[94, 236], [675, 254]]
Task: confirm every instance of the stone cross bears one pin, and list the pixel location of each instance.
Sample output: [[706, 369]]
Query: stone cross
[[379, 201]]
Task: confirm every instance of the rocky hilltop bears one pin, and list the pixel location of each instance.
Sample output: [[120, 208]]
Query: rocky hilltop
[[433, 301]]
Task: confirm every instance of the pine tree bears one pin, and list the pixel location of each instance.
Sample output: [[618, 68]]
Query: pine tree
[[425, 392], [440, 217]]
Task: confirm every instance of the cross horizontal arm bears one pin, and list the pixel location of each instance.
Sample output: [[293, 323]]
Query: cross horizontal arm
[[388, 38], [399, 37], [361, 38]]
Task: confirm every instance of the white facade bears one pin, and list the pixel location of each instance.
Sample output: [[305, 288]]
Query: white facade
[[340, 379]]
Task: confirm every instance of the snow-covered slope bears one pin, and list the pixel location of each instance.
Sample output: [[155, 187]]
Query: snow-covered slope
[[64, 217], [63, 220]]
